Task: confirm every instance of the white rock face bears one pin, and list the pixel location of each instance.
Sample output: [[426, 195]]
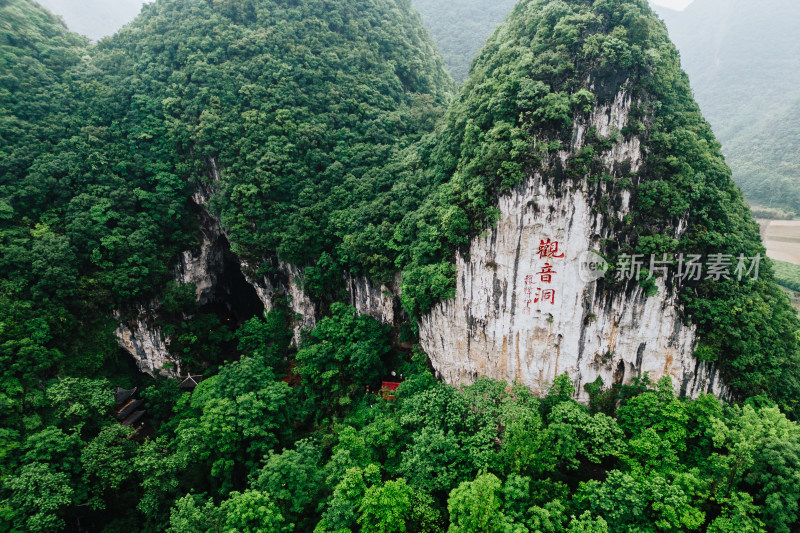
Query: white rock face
[[378, 301], [368, 298], [286, 283], [144, 341], [203, 266], [504, 323], [147, 345]]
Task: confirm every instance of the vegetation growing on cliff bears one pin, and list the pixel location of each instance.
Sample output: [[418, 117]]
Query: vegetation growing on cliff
[[299, 105], [544, 69]]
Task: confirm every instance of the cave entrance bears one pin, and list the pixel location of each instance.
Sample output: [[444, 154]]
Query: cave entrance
[[235, 301]]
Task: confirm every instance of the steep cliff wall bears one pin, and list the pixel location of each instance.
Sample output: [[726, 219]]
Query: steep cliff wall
[[378, 301], [208, 266], [504, 325], [368, 298], [146, 343], [285, 283], [203, 266], [495, 326]]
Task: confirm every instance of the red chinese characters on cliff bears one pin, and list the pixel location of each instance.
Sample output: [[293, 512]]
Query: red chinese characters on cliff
[[546, 273], [535, 289], [549, 249]]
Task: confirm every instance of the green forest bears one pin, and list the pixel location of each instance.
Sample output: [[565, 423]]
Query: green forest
[[342, 145], [737, 54], [460, 29], [787, 275]]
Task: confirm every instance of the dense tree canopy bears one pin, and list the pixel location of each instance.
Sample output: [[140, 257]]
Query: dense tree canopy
[[315, 125]]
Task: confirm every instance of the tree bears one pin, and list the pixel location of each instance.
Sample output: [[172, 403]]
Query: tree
[[476, 507], [108, 462], [587, 524], [656, 424], [294, 480], [192, 513], [647, 503], [343, 354], [738, 515], [77, 401], [386, 508], [39, 496], [234, 418], [341, 514], [763, 454], [250, 512]]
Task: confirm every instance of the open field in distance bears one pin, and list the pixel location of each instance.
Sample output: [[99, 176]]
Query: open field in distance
[[782, 239]]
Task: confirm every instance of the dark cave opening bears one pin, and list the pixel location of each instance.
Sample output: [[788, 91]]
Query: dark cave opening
[[235, 301], [231, 302]]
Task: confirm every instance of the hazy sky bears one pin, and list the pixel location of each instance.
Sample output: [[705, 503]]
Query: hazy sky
[[674, 4]]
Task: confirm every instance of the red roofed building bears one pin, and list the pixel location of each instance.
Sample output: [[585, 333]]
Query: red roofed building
[[387, 387]]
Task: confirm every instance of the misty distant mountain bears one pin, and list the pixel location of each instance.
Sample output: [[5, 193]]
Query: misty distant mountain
[[742, 58], [461, 27]]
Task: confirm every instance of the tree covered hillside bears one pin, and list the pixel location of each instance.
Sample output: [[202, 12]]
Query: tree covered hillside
[[740, 57], [106, 145], [299, 113], [327, 133], [299, 104]]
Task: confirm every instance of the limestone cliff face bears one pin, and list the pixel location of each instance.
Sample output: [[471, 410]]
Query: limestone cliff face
[[146, 343], [204, 265], [140, 336], [502, 323], [381, 302], [286, 282], [368, 298], [209, 266]]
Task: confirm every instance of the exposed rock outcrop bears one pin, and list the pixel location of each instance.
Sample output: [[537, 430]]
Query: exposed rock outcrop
[[504, 323], [146, 343], [286, 283], [501, 323], [204, 265], [381, 302], [213, 270], [368, 298]]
